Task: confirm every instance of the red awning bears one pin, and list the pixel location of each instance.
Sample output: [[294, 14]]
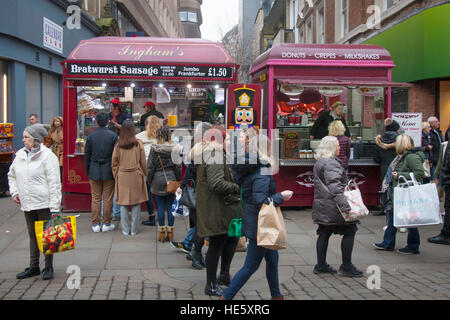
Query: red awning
[[345, 83], [151, 50]]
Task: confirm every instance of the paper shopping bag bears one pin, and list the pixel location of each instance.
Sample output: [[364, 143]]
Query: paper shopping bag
[[271, 232], [56, 235], [416, 205]]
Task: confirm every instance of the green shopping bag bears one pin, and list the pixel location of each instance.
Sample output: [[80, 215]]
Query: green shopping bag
[[235, 227]]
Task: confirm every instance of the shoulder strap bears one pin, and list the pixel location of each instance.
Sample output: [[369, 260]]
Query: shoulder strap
[[240, 203], [164, 171]]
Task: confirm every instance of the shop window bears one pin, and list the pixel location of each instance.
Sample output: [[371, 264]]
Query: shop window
[[33, 92], [299, 107]]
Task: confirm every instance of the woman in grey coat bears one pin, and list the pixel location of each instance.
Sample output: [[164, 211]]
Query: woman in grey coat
[[330, 180]]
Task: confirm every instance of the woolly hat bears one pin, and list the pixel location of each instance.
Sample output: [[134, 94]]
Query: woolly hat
[[391, 125], [37, 131]]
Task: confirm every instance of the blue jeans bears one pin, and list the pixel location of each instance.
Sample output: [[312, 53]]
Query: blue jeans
[[164, 204], [189, 240], [116, 208], [254, 257], [413, 240]]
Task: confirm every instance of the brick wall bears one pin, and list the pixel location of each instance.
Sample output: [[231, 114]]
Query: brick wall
[[422, 98], [329, 21]]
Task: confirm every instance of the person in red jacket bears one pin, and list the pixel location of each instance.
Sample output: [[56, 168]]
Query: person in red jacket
[[337, 129]]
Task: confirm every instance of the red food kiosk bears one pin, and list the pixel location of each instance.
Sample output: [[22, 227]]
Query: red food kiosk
[[186, 78], [301, 80]]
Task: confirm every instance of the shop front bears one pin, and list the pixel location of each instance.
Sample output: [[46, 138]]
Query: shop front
[[186, 79], [302, 81]]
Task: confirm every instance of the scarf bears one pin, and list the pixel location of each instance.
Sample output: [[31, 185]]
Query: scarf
[[387, 181]]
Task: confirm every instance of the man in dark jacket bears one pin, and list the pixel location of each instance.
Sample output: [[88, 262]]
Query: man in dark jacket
[[444, 236], [385, 151], [320, 127], [436, 140], [97, 160], [150, 110]]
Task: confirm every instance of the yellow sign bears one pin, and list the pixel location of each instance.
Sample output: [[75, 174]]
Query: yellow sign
[[244, 100], [262, 77]]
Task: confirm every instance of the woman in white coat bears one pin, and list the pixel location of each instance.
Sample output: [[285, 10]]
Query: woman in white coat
[[35, 184]]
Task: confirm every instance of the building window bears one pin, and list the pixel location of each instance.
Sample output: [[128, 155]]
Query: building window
[[192, 17], [309, 35], [344, 17], [388, 3], [321, 25], [301, 35], [183, 15]]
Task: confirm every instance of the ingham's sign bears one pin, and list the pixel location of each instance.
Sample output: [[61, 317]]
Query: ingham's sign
[[53, 36], [145, 70]]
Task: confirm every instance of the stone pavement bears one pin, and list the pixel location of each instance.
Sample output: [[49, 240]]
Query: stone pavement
[[120, 267]]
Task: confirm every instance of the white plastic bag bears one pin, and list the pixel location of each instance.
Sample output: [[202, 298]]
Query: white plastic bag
[[179, 210], [354, 199], [416, 204]]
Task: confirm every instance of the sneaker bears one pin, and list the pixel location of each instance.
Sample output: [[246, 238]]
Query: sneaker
[[378, 246], [323, 269], [224, 279], [351, 272], [407, 250], [214, 290], [96, 227], [402, 230], [179, 245], [125, 233], [108, 227]]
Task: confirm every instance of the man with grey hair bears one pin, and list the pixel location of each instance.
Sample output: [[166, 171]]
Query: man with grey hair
[[436, 140]]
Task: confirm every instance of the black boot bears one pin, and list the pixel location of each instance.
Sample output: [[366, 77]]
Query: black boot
[[47, 273], [224, 279], [151, 221], [213, 290], [29, 272]]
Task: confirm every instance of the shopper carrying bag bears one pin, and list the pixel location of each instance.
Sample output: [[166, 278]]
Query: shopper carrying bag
[[416, 204]]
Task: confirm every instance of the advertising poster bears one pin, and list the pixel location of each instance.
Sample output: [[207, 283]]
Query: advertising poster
[[412, 124]]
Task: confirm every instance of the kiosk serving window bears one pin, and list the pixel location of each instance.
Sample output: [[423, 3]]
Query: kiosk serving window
[[299, 107]]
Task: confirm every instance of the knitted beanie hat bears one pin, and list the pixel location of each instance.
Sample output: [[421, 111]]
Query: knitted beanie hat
[[37, 131]]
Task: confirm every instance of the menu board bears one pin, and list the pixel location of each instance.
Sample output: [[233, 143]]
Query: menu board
[[151, 71], [412, 124], [143, 92]]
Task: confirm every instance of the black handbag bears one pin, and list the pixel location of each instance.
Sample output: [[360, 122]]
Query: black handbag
[[188, 196]]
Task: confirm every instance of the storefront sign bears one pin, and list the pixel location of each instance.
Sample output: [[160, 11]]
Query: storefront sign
[[412, 124], [329, 55], [145, 70], [196, 93], [53, 36]]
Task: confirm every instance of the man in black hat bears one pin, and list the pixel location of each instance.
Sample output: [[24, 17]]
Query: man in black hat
[[385, 151]]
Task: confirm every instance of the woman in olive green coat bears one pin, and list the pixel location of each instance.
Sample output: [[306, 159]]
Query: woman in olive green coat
[[408, 160], [217, 198]]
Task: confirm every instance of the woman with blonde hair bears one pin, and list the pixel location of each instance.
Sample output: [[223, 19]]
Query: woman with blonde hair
[[55, 140], [337, 129], [330, 180], [148, 137], [408, 160]]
